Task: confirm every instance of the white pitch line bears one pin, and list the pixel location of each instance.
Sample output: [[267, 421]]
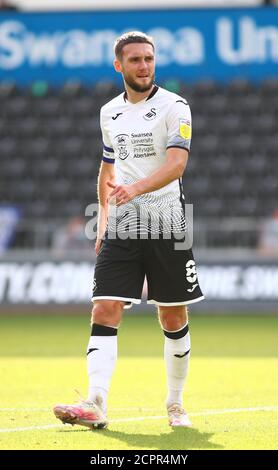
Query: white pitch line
[[235, 410], [24, 409], [31, 428], [131, 408], [143, 418], [144, 408]]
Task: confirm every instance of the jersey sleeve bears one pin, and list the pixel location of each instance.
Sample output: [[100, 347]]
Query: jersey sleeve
[[108, 151], [179, 127]]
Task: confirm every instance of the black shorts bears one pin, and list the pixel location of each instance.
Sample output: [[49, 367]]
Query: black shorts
[[122, 265]]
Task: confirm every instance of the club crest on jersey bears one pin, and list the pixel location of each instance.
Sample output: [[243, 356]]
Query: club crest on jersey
[[150, 115], [185, 129], [122, 143]]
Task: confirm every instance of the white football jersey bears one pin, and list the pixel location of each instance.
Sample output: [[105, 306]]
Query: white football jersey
[[136, 137]]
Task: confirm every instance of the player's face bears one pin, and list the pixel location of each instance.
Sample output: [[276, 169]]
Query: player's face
[[137, 66]]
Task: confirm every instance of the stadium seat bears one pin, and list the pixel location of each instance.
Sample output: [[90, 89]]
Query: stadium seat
[[8, 89], [51, 147], [239, 87], [72, 89]]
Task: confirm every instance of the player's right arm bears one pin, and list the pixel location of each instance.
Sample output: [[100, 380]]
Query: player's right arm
[[106, 174]]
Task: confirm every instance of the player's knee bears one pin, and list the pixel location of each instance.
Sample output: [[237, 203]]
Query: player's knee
[[173, 318], [108, 313]]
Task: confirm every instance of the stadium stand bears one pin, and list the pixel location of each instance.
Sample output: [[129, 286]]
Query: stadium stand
[[50, 147]]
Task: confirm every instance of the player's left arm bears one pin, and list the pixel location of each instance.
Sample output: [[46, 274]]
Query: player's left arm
[[172, 169]]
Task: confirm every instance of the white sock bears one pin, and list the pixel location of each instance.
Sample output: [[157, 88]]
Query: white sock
[[176, 356], [101, 361]]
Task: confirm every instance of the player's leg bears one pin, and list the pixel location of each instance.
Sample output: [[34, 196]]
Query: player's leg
[[172, 285], [118, 283], [174, 322], [102, 348], [101, 360]]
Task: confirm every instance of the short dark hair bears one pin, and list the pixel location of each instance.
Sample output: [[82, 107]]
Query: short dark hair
[[131, 38]]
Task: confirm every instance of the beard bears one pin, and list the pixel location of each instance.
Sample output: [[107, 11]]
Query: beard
[[136, 87]]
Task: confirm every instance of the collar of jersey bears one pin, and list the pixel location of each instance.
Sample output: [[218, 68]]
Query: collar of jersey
[[153, 92]]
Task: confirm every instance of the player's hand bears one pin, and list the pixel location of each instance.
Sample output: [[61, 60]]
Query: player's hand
[[122, 192]]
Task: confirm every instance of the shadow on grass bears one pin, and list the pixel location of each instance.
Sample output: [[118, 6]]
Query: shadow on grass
[[175, 439], [178, 438]]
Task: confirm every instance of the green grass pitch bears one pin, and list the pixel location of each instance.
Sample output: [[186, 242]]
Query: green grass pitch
[[231, 393]]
